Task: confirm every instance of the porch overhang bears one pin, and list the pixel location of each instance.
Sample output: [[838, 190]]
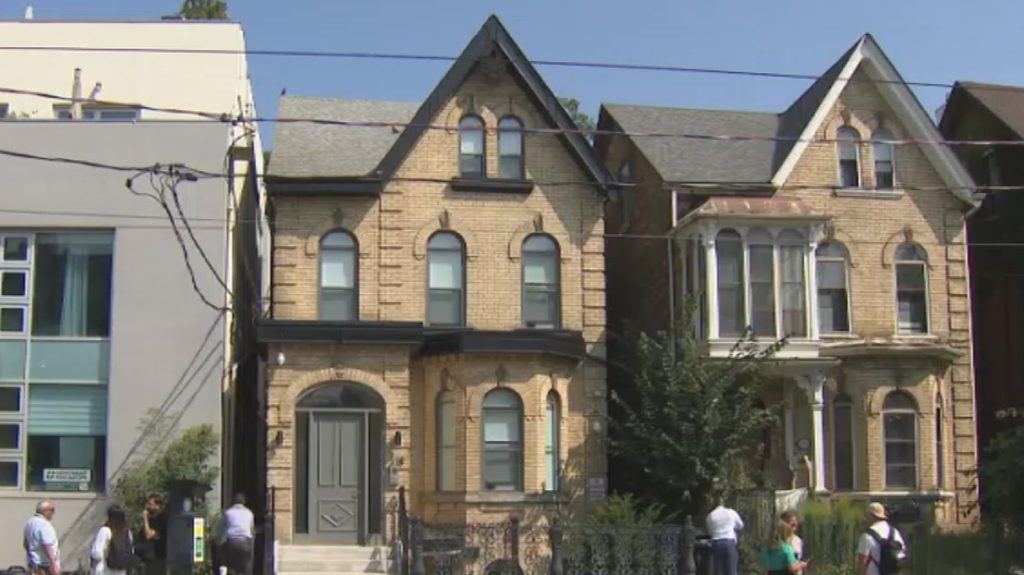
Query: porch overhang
[[313, 331], [562, 343], [910, 348]]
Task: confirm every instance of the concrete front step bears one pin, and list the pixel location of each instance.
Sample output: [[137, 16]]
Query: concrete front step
[[333, 559]]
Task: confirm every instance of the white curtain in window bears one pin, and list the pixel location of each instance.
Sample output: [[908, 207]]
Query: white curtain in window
[[337, 267], [446, 270]]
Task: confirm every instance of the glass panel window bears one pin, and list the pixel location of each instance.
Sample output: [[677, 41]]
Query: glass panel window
[[79, 361], [849, 157], [446, 442], [900, 430], [471, 147], [503, 441], [510, 147], [911, 290], [10, 436], [541, 280], [552, 424], [833, 302], [15, 249], [842, 435], [761, 254], [729, 253], [10, 400], [71, 294], [12, 360], [338, 277], [446, 280], [14, 284], [9, 474], [12, 320], [67, 438], [884, 152], [791, 280]]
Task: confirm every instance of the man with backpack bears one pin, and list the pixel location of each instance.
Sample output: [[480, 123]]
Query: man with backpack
[[881, 550]]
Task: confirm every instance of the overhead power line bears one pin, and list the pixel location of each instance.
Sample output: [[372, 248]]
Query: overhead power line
[[361, 55]]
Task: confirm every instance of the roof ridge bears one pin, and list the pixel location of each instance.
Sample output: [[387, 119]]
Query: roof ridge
[[695, 109], [334, 99]]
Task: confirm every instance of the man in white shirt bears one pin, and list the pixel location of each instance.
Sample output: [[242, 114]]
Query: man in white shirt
[[869, 550], [42, 551], [722, 525], [236, 537]]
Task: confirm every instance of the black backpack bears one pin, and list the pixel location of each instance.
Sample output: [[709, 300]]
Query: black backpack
[[889, 552], [120, 554]]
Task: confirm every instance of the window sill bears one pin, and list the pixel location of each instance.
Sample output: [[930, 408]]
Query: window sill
[[507, 497], [838, 336], [496, 185], [916, 337], [12, 493], [868, 193]]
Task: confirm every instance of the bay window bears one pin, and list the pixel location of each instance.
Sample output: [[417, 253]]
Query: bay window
[[833, 301], [731, 308]]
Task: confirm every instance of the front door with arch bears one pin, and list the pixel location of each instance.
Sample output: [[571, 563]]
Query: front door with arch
[[338, 464]]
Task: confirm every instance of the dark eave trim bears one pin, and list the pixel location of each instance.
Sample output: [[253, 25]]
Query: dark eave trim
[[492, 185], [561, 342], [378, 332], [280, 186], [493, 35]]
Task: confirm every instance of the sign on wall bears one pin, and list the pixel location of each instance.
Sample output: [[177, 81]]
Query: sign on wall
[[597, 488], [59, 479]]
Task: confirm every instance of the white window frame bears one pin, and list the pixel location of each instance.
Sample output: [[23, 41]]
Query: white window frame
[[845, 261], [21, 436], [889, 137], [20, 477], [917, 443], [927, 292], [94, 113], [839, 157]]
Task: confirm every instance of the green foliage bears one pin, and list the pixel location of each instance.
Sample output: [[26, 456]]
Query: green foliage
[[619, 523], [623, 511], [999, 473], [686, 420], [160, 462], [582, 119], [203, 10], [831, 533]]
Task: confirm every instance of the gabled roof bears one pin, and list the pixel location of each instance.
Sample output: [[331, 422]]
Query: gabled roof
[[692, 160], [1006, 103], [307, 150], [494, 38], [868, 54]]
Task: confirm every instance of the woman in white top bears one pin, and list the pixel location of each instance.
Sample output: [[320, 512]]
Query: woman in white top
[[112, 549]]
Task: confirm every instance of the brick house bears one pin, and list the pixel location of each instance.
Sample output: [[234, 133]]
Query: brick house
[[816, 229], [438, 306], [988, 112]]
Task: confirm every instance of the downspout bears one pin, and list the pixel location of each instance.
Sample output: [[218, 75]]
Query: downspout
[[76, 95]]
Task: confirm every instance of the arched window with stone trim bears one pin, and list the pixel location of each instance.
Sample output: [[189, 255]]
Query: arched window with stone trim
[[552, 439], [911, 289], [446, 441], [446, 280], [339, 277], [510, 148], [842, 442], [502, 441], [848, 148], [542, 295], [472, 156], [884, 152], [900, 430], [832, 261]]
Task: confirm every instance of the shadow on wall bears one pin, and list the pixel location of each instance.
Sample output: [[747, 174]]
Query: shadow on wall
[[207, 362]]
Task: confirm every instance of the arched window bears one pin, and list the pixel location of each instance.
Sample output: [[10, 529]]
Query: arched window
[[899, 422], [510, 148], [503, 441], [884, 152], [911, 289], [471, 147], [940, 444], [849, 157], [762, 282], [541, 281], [446, 442], [552, 422], [792, 247], [339, 277], [731, 308], [446, 280], [833, 299], [842, 442]]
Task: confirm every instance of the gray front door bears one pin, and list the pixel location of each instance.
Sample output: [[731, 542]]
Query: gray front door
[[337, 455]]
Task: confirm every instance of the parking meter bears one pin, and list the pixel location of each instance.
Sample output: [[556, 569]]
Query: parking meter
[[186, 526]]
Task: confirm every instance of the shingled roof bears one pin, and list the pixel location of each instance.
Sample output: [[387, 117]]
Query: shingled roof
[[1006, 103]]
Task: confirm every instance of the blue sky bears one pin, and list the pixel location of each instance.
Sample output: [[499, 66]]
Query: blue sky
[[934, 41]]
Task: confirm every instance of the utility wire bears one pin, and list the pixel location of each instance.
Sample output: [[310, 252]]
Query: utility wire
[[224, 117], [360, 55]]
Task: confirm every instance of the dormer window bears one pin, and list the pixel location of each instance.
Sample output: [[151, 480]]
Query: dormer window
[[471, 147], [849, 157], [510, 148]]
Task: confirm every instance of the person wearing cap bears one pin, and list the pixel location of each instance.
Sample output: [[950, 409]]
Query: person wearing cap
[[869, 550]]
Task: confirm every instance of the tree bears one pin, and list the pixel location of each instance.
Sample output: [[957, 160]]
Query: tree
[[999, 475], [203, 10], [583, 121], [688, 423]]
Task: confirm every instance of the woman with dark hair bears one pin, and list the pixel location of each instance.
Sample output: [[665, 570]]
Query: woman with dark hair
[[112, 552]]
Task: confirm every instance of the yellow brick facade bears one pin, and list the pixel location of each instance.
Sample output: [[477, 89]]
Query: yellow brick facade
[[392, 232]]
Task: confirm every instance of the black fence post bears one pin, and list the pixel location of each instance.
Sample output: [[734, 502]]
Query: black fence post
[[403, 533], [514, 538], [687, 542], [555, 535], [418, 568]]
